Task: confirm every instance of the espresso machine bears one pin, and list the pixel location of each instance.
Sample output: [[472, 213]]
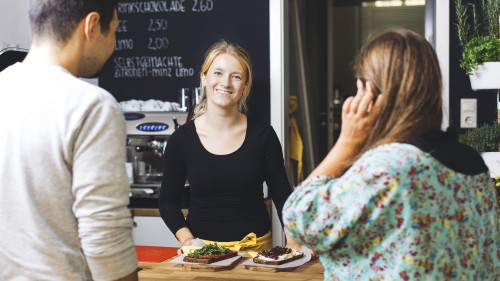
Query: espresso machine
[[147, 136]]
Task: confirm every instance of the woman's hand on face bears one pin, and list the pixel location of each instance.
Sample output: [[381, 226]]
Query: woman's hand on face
[[359, 113]]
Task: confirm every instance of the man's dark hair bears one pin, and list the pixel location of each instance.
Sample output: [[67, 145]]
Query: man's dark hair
[[59, 18]]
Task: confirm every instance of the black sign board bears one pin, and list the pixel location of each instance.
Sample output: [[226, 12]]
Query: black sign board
[[160, 46], [10, 56]]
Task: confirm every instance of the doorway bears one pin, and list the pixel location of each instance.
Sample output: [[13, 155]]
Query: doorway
[[325, 36]]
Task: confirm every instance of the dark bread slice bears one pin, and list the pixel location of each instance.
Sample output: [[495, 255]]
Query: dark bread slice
[[213, 258], [277, 262]]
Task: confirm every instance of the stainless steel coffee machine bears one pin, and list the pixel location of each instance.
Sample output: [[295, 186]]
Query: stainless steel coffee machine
[[147, 136]]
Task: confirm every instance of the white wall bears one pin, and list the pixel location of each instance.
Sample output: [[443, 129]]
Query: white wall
[[443, 52], [15, 29], [278, 24], [14, 24], [152, 231]]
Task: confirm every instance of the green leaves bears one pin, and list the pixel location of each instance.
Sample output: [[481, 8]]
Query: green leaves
[[482, 139], [462, 23], [209, 249], [479, 50], [478, 38]]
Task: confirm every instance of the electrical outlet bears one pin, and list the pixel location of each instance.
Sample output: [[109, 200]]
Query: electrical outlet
[[468, 113]]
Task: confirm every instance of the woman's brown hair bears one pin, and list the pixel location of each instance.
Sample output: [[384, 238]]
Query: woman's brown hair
[[402, 65]]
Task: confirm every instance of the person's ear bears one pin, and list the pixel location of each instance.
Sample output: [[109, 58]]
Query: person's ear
[[92, 25], [203, 79], [245, 89]]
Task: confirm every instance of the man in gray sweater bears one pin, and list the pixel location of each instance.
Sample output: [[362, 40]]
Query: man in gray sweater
[[63, 185]]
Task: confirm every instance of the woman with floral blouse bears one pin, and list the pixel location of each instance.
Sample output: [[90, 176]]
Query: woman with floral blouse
[[397, 198]]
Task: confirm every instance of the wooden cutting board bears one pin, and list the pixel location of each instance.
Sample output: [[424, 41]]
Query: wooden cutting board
[[268, 268], [210, 267]]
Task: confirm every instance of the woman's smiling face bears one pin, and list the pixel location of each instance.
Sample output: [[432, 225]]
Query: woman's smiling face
[[224, 81]]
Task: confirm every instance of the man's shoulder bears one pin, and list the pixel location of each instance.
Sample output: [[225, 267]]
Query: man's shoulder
[[87, 93]]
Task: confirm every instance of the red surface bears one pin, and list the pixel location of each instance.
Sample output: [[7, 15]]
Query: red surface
[[154, 254]]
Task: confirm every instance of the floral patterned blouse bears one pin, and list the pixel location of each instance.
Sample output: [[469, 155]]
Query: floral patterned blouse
[[399, 214]]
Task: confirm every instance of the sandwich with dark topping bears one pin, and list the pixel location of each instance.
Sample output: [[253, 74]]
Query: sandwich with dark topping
[[277, 255]]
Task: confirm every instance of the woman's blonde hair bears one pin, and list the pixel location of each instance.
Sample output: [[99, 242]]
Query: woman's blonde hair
[[224, 47], [402, 65]]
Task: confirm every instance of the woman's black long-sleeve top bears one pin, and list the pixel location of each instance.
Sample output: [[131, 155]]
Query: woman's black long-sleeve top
[[226, 190]]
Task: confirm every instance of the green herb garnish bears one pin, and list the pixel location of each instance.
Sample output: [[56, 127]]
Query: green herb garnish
[[209, 249]]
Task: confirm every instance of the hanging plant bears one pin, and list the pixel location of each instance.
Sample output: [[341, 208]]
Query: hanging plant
[[477, 32]]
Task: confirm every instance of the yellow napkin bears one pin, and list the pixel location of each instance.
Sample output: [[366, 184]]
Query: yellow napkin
[[253, 254], [247, 241]]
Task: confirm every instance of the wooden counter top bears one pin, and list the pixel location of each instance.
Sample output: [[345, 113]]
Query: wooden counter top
[[311, 271]]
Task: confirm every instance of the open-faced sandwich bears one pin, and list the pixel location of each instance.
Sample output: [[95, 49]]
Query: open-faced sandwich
[[209, 253], [277, 255]]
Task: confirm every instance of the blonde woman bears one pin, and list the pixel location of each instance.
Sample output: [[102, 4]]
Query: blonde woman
[[226, 157]]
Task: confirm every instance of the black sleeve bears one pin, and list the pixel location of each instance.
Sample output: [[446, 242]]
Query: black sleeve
[[276, 177], [174, 178]]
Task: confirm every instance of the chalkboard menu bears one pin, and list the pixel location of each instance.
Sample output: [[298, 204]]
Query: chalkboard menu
[[160, 47]]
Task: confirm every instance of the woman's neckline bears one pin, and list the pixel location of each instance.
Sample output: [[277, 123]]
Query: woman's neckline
[[225, 154]]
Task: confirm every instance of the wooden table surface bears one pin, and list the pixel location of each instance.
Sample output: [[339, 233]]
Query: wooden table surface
[[311, 271]]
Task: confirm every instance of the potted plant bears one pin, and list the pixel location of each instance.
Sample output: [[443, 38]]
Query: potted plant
[[483, 139], [486, 140], [478, 36]]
